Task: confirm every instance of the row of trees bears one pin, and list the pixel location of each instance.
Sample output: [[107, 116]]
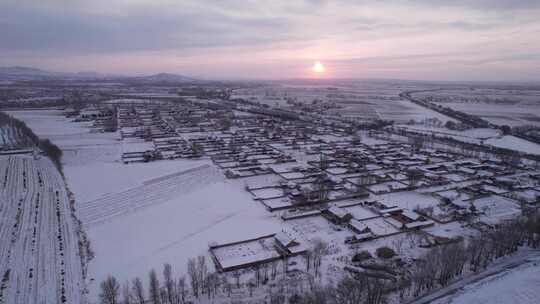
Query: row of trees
[[26, 138], [441, 265], [201, 283], [349, 290], [419, 140], [52, 151], [167, 290], [437, 268], [24, 135]]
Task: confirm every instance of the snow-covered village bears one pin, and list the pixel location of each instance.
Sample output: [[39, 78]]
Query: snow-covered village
[[268, 181]]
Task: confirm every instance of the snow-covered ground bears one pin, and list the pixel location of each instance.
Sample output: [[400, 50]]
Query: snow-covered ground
[[514, 143], [503, 106], [362, 99], [39, 252], [472, 136], [176, 230], [401, 111], [79, 144], [194, 210], [520, 285], [480, 136], [140, 216]]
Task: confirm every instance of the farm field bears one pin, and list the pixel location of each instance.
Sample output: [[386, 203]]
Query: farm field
[[365, 100], [479, 136], [79, 142], [513, 107], [181, 227], [514, 143], [39, 249], [190, 202], [501, 114]]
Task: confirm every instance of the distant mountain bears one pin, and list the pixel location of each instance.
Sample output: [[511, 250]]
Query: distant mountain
[[90, 74], [25, 72], [165, 78], [29, 73]]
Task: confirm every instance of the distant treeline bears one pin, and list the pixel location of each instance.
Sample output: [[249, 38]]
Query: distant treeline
[[28, 139]]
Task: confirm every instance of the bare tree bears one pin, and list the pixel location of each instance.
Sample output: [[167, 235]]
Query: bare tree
[[237, 274], [169, 283], [276, 298], [126, 293], [257, 269], [307, 259], [375, 291], [138, 291], [109, 291], [320, 248], [349, 291], [182, 290], [163, 296], [227, 286], [202, 271], [212, 284], [414, 175], [273, 266], [417, 142], [154, 293], [193, 276]]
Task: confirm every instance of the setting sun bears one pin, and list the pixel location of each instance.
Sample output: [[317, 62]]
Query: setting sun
[[318, 67]]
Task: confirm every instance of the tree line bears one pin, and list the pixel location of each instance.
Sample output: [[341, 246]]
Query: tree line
[[436, 268], [26, 138], [167, 289]]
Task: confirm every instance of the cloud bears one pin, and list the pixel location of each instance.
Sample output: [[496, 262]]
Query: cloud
[[480, 4], [62, 30], [258, 38], [116, 26]]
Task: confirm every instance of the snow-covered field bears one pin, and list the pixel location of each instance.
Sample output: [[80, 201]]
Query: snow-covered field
[[39, 253], [151, 192], [514, 143], [503, 106], [520, 286], [472, 136], [401, 111], [512, 115], [355, 99], [176, 230], [79, 144], [194, 209], [485, 136]]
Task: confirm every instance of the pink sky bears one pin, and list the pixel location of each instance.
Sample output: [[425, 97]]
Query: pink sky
[[248, 39]]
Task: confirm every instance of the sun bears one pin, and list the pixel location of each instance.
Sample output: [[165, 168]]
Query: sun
[[318, 67]]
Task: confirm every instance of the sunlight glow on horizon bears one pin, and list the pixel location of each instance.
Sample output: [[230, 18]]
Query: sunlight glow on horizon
[[318, 67]]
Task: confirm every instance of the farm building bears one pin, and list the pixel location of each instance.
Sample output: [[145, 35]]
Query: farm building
[[337, 215]]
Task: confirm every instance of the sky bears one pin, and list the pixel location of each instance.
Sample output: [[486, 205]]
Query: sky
[[485, 40]]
